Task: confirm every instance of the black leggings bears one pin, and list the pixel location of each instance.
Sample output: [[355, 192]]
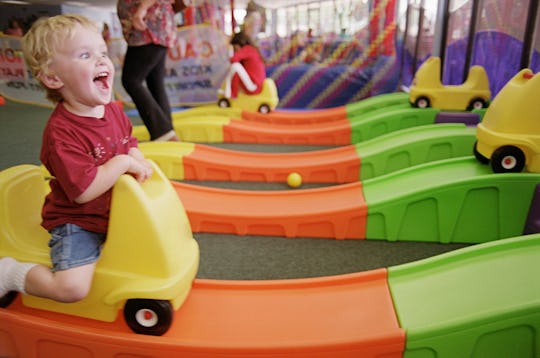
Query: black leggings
[[147, 63]]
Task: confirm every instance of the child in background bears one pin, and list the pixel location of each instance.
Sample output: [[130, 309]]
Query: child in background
[[87, 145], [247, 67], [14, 28]]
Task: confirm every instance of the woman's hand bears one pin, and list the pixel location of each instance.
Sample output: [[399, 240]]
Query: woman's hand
[[138, 18]]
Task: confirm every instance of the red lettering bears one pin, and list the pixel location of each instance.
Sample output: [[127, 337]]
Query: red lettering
[[206, 49], [175, 53], [184, 50], [8, 72], [190, 52]]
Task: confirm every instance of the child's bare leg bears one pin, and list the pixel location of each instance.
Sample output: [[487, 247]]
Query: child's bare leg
[[69, 285]]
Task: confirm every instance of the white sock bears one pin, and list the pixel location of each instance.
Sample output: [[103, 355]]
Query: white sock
[[13, 275]]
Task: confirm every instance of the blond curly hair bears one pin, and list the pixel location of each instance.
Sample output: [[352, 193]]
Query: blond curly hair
[[43, 39]]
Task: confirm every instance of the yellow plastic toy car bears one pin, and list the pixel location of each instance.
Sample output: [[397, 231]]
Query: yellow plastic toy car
[[148, 262], [263, 102], [509, 134], [427, 90]]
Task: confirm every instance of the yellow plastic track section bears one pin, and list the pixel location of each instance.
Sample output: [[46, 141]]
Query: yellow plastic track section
[[208, 110], [205, 129], [169, 156]]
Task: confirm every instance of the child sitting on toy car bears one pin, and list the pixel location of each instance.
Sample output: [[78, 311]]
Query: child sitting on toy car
[[87, 145], [247, 67]]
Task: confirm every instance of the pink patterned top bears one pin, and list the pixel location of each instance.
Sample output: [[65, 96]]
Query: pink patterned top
[[159, 19]]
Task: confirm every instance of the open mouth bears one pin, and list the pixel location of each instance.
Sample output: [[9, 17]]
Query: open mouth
[[102, 80]]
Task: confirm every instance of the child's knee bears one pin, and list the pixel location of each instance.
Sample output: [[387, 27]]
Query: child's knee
[[73, 286], [235, 67], [69, 292]]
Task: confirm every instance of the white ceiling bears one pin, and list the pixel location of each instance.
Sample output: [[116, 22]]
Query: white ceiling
[[112, 3]]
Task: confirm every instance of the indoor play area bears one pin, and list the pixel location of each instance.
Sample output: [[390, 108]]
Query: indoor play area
[[380, 197]]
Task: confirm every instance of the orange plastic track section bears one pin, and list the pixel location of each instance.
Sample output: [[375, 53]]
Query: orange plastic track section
[[331, 212], [339, 165], [337, 132], [338, 316], [297, 117]]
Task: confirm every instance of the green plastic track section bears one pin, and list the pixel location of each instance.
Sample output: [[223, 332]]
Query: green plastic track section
[[389, 119], [375, 102], [481, 301], [456, 200], [413, 146]]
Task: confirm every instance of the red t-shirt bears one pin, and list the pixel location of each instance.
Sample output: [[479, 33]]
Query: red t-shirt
[[73, 148], [251, 59]]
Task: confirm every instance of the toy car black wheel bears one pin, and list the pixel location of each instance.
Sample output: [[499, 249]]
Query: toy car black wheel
[[223, 103], [507, 159], [264, 108], [8, 298], [477, 103], [150, 317], [422, 102], [479, 156]]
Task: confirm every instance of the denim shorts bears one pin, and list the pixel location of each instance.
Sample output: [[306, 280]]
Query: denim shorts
[[71, 246]]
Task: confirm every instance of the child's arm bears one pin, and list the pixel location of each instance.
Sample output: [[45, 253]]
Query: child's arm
[[109, 173], [136, 153]]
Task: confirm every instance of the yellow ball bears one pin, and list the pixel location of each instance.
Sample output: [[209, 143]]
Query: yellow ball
[[294, 180]]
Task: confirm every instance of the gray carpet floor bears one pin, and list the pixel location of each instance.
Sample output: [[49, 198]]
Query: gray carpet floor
[[234, 257]]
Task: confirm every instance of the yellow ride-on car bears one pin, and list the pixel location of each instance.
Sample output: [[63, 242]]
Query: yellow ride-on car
[[263, 102], [148, 262], [509, 134], [428, 91]]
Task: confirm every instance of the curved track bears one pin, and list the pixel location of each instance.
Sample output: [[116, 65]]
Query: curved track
[[478, 300], [441, 201], [344, 131], [438, 302], [381, 155]]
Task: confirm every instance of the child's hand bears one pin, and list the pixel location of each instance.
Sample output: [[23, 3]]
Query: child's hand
[[140, 168]]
